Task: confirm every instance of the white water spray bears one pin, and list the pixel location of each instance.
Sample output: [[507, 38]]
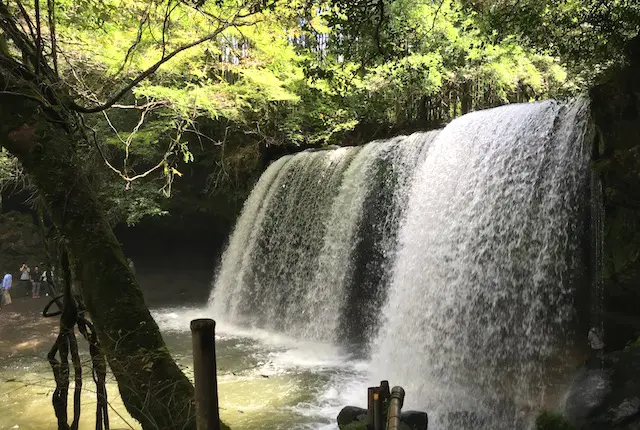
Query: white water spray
[[477, 288], [484, 277]]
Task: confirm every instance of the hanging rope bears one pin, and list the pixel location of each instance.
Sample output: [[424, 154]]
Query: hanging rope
[[72, 314]]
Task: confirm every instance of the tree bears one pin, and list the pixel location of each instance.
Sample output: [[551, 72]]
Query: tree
[[589, 35], [394, 66], [42, 125]]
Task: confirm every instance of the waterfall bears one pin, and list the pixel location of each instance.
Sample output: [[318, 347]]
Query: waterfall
[[293, 255], [597, 262], [488, 254], [451, 258]]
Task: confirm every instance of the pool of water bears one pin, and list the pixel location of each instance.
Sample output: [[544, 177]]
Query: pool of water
[[265, 381]]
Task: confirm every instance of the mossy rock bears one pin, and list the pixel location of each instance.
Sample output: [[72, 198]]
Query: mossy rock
[[358, 425], [552, 421], [353, 418]]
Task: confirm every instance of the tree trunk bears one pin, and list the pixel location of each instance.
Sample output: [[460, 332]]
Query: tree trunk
[[467, 97], [153, 388]]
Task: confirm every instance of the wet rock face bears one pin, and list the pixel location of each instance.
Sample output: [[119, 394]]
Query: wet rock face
[[616, 158], [605, 394], [588, 393]]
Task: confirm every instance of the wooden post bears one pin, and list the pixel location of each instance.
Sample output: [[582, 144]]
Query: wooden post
[[370, 395], [204, 372], [395, 408], [377, 410]]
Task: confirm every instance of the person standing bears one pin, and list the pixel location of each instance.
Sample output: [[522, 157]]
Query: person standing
[[6, 286], [25, 278], [35, 283], [47, 279]]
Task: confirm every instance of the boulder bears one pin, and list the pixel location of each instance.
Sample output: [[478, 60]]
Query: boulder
[[354, 418], [548, 420], [605, 395], [415, 420], [351, 414]]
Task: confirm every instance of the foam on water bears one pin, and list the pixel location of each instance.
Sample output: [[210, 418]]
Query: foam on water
[[309, 380]]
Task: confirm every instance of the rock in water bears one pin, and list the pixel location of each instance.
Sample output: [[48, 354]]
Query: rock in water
[[350, 414], [415, 420], [606, 393]]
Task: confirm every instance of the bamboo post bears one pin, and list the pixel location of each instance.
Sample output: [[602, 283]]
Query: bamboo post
[[395, 408], [204, 371]]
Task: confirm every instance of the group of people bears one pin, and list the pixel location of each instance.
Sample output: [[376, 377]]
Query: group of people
[[30, 282]]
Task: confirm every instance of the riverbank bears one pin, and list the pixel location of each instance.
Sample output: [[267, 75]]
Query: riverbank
[[23, 330]]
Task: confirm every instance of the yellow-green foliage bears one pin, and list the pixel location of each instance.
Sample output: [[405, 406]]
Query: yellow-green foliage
[[296, 73], [260, 74]]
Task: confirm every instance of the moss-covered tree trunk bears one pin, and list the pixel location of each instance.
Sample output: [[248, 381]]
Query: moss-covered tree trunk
[[153, 388]]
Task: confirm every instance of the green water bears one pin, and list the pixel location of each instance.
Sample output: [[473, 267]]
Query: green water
[[265, 381]]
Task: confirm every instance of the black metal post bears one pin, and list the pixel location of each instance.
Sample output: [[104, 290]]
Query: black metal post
[[204, 372], [385, 392]]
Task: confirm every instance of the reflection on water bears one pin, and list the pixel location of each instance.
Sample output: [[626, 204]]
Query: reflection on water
[[26, 380], [265, 381]]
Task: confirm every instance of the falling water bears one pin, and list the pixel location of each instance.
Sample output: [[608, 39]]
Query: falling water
[[485, 270], [294, 251], [274, 247], [597, 241], [374, 252], [453, 256]]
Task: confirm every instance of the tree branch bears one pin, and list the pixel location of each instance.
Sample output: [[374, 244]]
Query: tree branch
[[51, 6], [29, 51], [144, 75], [100, 151], [38, 36], [27, 96], [137, 41], [377, 37], [165, 25], [150, 105], [435, 16], [27, 19]]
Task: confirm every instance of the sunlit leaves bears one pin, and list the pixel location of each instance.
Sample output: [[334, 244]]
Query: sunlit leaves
[[588, 35], [310, 72]]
